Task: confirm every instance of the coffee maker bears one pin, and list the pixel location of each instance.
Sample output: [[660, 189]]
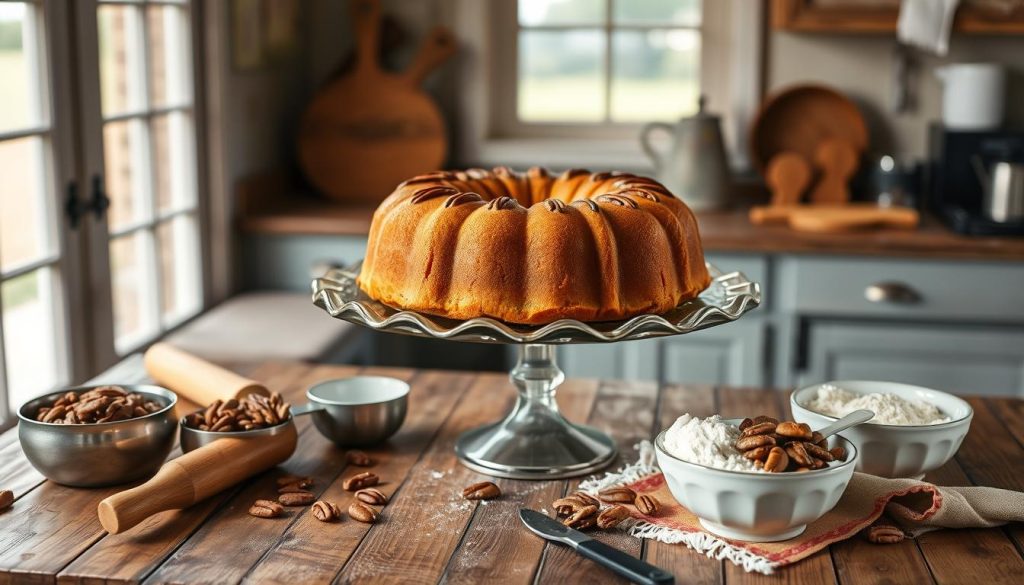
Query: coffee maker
[[956, 189]]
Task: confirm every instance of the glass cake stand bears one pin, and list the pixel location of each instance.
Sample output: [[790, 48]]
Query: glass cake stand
[[535, 441]]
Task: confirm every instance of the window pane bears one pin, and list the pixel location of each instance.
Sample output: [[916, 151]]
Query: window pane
[[120, 50], [25, 218], [30, 339], [561, 76], [656, 74], [133, 276], [540, 12], [179, 268], [657, 12], [174, 161], [19, 69], [125, 158], [169, 55]]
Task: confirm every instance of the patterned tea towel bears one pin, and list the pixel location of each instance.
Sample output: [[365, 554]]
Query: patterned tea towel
[[916, 506]]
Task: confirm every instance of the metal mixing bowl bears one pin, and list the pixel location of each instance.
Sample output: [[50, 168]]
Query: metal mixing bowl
[[192, 439], [357, 411], [99, 454]]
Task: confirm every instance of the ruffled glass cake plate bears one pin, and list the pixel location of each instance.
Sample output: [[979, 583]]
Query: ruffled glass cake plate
[[534, 441]]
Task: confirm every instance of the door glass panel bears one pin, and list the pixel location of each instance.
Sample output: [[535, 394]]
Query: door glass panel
[[133, 276], [25, 219], [20, 69], [174, 168], [30, 340], [655, 74], [120, 53], [561, 76], [125, 157], [179, 268], [169, 52]]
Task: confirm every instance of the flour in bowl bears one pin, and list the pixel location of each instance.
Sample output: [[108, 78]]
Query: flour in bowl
[[889, 409], [708, 441]]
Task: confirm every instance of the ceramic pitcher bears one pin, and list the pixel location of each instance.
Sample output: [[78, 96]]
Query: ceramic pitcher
[[694, 166]]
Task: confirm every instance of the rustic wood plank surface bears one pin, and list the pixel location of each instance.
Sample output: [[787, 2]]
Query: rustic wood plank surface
[[428, 533]]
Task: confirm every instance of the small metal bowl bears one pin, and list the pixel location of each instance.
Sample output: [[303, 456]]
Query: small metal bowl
[[192, 439], [99, 454], [357, 411]]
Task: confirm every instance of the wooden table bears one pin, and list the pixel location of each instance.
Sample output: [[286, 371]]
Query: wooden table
[[428, 533]]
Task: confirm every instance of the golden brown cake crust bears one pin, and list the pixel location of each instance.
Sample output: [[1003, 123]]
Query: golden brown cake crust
[[532, 248]]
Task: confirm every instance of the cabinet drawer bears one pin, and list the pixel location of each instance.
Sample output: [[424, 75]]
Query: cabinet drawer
[[909, 289], [957, 358]]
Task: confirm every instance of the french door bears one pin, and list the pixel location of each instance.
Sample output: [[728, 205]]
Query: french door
[[100, 239]]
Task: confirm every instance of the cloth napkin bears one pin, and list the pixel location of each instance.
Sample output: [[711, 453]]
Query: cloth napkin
[[926, 24], [916, 506]]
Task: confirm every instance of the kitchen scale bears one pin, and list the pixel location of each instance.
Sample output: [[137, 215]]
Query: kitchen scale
[[535, 441]]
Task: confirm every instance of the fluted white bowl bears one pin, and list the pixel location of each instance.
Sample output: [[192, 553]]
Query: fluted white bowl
[[756, 506], [896, 450]]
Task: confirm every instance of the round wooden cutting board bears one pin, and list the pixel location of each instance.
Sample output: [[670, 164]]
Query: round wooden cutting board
[[371, 129]]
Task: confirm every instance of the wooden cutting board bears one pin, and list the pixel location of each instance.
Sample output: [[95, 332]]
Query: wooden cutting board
[[824, 218], [370, 129]]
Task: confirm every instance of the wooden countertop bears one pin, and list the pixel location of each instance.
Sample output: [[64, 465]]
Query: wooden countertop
[[429, 534], [726, 231]]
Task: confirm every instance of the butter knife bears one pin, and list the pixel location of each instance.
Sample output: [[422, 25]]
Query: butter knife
[[626, 565]]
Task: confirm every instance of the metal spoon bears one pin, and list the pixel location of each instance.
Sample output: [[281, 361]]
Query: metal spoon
[[853, 419]]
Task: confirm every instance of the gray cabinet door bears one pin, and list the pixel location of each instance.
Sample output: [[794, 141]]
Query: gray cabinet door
[[960, 359], [728, 354]]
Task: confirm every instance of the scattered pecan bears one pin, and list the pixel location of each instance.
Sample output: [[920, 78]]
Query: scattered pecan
[[884, 534], [6, 499], [266, 509], [483, 490], [362, 513], [300, 481], [326, 511], [617, 495], [648, 505], [612, 516], [299, 498], [358, 458], [360, 480], [372, 496], [586, 498], [583, 518], [569, 504]]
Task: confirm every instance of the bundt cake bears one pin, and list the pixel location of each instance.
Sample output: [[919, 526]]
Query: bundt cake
[[533, 248]]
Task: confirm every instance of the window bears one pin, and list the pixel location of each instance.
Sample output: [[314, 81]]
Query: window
[[99, 206], [566, 83], [32, 268], [607, 61], [149, 164]]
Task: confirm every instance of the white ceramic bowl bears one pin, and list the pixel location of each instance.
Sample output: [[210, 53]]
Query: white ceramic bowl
[[896, 450], [752, 505]]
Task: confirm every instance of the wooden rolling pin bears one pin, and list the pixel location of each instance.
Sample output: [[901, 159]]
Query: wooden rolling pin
[[195, 476], [208, 470], [194, 378]]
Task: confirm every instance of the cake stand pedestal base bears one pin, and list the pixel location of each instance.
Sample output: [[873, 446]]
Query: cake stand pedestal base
[[535, 441]]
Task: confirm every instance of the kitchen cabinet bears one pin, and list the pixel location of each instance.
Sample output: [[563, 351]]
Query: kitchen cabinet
[[728, 354], [879, 16], [963, 360]]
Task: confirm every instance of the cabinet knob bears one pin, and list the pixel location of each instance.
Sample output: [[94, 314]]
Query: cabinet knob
[[892, 292]]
